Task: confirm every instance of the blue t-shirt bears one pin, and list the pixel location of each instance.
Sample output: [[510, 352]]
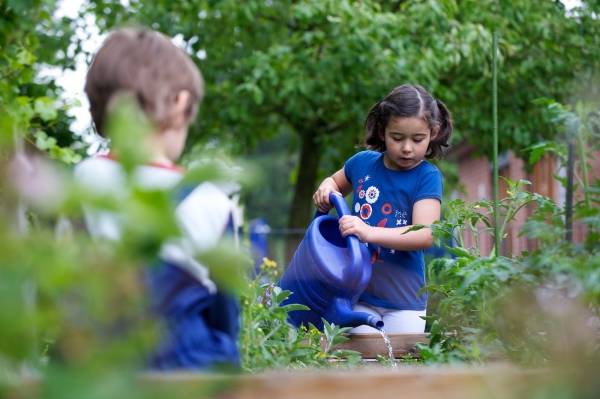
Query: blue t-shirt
[[385, 198]]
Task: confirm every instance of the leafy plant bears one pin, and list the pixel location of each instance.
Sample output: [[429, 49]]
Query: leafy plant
[[581, 127], [474, 284], [30, 106], [515, 306], [78, 317], [26, 116], [269, 341]]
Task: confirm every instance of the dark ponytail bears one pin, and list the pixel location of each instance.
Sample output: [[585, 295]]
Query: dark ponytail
[[444, 120], [377, 120], [408, 101]]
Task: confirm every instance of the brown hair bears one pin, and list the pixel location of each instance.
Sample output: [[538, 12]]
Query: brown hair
[[408, 101], [147, 65]]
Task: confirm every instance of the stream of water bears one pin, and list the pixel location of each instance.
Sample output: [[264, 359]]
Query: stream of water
[[391, 351]]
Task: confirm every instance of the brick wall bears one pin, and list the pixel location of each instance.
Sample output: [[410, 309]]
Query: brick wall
[[475, 180]]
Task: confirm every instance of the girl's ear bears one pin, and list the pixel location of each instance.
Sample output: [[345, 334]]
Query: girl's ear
[[434, 133], [380, 132]]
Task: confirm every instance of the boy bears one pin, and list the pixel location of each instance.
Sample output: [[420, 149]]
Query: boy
[[201, 322]]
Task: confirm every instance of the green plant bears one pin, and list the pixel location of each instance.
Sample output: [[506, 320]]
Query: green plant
[[522, 307], [27, 117], [269, 341], [31, 108], [78, 318], [473, 284]]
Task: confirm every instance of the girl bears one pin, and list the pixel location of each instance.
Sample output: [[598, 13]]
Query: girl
[[393, 189]]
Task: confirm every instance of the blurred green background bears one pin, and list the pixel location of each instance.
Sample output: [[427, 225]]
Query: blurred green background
[[288, 85], [291, 81]]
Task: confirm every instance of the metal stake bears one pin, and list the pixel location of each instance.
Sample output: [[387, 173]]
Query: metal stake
[[495, 124]]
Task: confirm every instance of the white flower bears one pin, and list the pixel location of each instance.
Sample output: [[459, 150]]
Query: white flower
[[372, 194]]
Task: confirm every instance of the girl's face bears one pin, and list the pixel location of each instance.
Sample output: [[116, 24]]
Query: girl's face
[[406, 141]]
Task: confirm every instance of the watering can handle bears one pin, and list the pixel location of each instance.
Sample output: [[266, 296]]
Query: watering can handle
[[341, 207], [338, 203]]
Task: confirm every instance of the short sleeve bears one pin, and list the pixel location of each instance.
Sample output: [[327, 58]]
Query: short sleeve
[[430, 186], [349, 166]]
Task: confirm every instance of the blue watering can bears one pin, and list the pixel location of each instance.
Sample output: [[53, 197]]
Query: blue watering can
[[328, 273]]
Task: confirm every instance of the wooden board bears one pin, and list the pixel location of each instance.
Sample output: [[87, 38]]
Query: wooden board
[[497, 382], [500, 381], [372, 344]]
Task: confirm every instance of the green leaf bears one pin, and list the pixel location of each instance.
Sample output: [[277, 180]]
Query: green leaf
[[24, 57], [282, 296], [416, 228], [302, 352], [44, 106], [328, 329], [43, 142], [294, 306], [460, 252], [68, 156], [339, 339], [225, 263], [347, 353], [427, 288], [22, 100], [431, 318], [279, 311], [344, 330]]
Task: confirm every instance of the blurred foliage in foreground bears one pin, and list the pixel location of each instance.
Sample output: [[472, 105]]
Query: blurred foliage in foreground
[[75, 319], [73, 323]]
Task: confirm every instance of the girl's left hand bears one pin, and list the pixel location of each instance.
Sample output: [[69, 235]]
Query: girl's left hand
[[353, 225]]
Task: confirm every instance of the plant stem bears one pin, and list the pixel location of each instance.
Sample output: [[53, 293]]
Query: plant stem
[[510, 216], [460, 240], [475, 237], [270, 334]]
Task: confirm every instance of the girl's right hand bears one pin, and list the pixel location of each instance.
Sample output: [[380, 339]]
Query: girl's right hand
[[338, 184], [321, 197]]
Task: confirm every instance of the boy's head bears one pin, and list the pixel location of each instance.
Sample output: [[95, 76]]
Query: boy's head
[[147, 66]]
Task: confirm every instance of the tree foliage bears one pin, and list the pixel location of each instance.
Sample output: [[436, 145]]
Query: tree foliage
[[316, 67], [31, 39]]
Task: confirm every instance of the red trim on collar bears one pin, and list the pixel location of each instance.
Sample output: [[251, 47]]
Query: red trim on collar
[[173, 167]]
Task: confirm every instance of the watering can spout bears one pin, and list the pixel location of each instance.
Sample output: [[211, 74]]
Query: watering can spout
[[340, 312]]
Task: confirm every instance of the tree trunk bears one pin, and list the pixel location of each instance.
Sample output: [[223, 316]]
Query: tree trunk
[[302, 208]]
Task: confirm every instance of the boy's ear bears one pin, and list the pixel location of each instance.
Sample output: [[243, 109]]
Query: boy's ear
[[179, 106], [182, 99]]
